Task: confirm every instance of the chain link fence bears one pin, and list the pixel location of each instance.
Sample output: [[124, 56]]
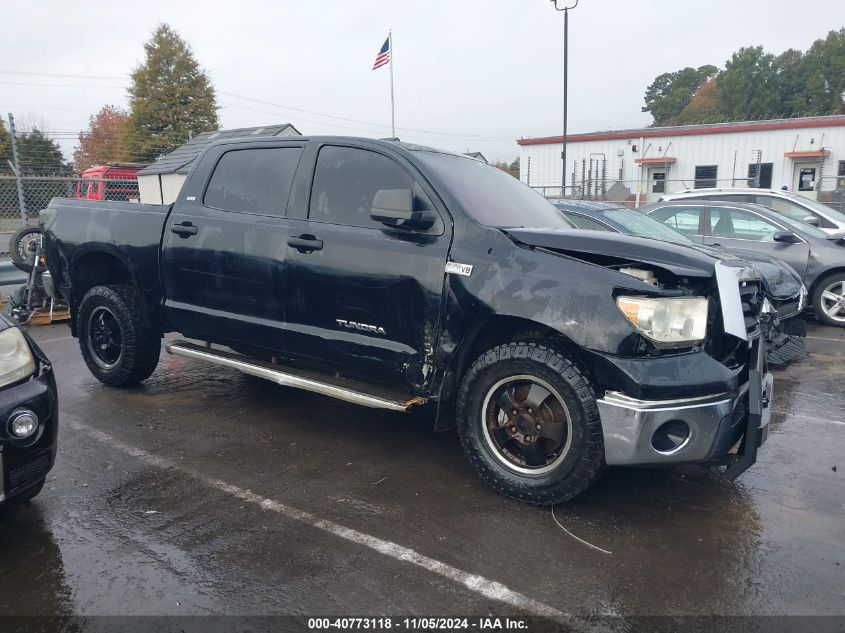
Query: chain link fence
[[37, 191]]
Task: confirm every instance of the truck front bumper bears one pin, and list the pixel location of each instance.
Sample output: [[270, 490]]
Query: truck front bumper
[[690, 430]]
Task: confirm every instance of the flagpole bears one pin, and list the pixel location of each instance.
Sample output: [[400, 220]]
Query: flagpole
[[392, 110]]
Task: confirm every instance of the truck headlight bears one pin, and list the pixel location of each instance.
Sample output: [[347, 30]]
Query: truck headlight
[[668, 321], [16, 360]]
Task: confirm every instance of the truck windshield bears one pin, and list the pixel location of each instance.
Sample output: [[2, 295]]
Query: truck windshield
[[491, 196]]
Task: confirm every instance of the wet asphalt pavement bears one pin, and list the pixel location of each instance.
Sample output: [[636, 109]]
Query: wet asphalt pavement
[[205, 491]]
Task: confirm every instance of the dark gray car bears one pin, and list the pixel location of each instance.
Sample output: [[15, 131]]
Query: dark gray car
[[818, 257]]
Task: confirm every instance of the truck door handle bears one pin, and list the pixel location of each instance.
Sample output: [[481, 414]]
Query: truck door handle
[[305, 243], [184, 229]]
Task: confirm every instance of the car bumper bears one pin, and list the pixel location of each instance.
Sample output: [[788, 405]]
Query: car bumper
[[635, 430], [22, 465]]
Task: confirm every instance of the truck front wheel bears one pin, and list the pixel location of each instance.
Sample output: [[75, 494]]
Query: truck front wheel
[[529, 423], [118, 345]]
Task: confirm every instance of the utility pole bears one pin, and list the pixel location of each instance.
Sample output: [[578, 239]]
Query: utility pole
[[565, 10], [392, 106], [17, 167]]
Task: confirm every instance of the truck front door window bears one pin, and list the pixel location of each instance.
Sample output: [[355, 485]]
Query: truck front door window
[[346, 181]]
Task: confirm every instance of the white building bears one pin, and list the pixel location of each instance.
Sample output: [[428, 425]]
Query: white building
[[807, 155], [161, 182]]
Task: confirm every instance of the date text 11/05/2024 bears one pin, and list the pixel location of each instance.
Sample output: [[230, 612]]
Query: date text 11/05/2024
[[420, 623]]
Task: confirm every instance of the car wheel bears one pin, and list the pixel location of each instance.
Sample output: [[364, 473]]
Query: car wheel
[[22, 247], [118, 345], [529, 423], [829, 300]]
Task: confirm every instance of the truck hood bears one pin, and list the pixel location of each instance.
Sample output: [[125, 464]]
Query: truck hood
[[681, 260]]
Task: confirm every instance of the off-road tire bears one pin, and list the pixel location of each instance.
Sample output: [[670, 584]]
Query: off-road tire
[[23, 262], [583, 463], [821, 285], [141, 343]]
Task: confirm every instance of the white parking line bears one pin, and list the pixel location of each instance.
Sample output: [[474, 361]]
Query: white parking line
[[814, 419], [477, 584], [822, 338]]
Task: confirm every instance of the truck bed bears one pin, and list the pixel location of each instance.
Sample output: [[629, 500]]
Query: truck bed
[[125, 235]]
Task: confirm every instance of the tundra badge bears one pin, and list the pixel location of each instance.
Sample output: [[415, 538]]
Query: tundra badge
[[363, 327]]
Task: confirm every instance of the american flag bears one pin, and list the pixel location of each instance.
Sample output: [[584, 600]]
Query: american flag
[[383, 56]]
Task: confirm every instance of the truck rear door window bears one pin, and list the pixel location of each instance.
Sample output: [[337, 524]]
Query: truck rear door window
[[255, 180]]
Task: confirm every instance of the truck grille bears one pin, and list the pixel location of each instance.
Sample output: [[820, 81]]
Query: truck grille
[[751, 294], [727, 349]]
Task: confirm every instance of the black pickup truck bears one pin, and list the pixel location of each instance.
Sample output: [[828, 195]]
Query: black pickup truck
[[396, 276]]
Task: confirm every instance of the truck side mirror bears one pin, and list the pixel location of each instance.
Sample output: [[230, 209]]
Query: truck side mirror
[[395, 208], [786, 237], [812, 220]]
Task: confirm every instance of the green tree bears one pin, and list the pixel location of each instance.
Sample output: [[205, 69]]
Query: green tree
[[791, 82], [824, 69], [5, 148], [39, 155], [670, 93], [171, 98], [749, 85]]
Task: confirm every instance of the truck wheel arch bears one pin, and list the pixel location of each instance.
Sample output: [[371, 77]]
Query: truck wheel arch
[[496, 330], [95, 268]]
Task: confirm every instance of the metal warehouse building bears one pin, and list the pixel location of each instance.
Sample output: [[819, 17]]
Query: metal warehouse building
[[807, 155]]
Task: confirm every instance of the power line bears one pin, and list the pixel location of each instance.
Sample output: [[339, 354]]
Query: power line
[[339, 118], [24, 83], [36, 74], [457, 135]]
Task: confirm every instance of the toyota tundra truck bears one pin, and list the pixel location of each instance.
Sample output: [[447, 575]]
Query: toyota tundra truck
[[400, 277]]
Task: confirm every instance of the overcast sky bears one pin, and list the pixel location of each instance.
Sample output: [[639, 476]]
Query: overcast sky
[[469, 75]]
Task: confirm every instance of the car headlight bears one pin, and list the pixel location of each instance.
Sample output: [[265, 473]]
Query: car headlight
[[16, 360], [668, 321]]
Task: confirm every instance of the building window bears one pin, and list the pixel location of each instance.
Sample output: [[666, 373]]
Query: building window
[[842, 168], [764, 180], [705, 176]]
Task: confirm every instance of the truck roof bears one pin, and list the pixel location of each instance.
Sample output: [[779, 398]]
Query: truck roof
[[180, 160]]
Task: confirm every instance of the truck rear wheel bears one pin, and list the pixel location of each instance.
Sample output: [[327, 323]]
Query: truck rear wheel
[[529, 423], [118, 345]]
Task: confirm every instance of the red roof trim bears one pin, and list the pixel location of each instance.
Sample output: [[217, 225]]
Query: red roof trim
[[658, 160], [818, 153], [753, 126]]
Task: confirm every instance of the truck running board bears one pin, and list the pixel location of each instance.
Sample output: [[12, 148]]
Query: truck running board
[[284, 376]]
